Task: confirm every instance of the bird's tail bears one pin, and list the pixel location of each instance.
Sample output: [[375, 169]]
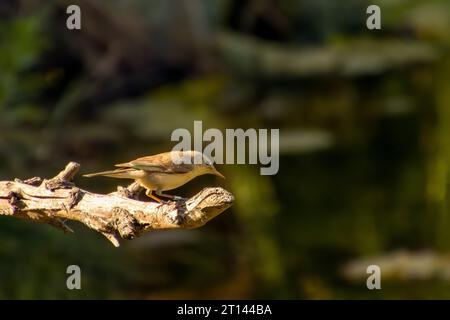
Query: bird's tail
[[118, 173]]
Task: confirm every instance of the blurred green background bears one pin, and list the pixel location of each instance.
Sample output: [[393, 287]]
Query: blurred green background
[[364, 120]]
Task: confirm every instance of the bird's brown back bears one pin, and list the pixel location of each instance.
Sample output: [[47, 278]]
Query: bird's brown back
[[157, 163]]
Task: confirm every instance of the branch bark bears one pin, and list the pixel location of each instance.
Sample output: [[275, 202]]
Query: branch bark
[[117, 215]]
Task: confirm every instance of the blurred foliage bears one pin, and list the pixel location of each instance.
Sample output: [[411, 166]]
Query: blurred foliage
[[21, 44], [364, 123]]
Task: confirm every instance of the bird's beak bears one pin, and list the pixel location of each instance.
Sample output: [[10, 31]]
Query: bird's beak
[[217, 173]]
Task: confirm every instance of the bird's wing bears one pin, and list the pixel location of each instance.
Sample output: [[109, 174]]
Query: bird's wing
[[123, 165], [157, 163]]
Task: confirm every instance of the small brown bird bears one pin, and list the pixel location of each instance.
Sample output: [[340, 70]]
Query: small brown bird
[[160, 173]]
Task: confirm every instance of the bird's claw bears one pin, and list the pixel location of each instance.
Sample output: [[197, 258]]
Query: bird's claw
[[175, 199]]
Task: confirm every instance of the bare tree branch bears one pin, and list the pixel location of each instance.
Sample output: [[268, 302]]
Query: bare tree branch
[[117, 215]]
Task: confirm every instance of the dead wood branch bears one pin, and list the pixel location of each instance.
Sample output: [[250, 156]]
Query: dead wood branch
[[117, 215]]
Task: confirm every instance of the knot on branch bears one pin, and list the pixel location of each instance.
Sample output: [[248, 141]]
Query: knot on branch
[[125, 224], [15, 203], [130, 192], [35, 181], [64, 179], [75, 195]]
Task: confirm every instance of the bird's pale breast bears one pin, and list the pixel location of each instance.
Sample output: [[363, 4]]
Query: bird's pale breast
[[165, 181]]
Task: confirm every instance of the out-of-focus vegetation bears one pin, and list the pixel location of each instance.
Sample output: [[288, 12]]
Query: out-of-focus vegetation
[[364, 119]]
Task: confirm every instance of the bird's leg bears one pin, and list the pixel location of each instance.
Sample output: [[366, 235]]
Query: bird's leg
[[149, 193], [174, 198]]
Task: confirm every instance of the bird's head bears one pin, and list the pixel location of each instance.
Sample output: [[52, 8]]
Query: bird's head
[[204, 164]]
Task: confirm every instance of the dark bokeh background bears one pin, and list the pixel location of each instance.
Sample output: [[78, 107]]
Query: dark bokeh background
[[364, 119]]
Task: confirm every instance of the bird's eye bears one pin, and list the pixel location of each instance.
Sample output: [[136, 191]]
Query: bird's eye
[[207, 162]]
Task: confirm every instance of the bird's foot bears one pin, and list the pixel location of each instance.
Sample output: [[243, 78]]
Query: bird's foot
[[172, 197], [150, 194], [179, 199]]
